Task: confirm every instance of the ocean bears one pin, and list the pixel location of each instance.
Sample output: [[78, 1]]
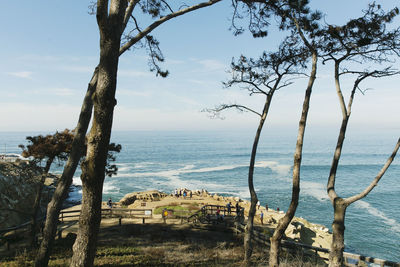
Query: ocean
[[218, 162]]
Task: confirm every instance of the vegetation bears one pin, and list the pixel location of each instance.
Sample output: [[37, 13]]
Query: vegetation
[[45, 148], [158, 244]]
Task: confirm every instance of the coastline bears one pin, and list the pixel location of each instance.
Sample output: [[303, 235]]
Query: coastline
[[300, 230]]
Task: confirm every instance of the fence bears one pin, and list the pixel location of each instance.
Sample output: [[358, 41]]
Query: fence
[[313, 251], [112, 213]]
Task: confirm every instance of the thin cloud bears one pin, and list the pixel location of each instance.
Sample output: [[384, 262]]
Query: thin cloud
[[21, 74], [134, 73], [78, 69], [62, 91], [212, 65], [124, 92]]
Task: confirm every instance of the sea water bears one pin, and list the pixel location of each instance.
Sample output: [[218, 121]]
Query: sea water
[[218, 162]]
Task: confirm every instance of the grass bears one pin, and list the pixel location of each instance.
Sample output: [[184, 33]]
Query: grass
[[178, 209], [159, 245]]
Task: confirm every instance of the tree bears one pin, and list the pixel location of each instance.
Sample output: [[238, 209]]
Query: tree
[[161, 12], [358, 43], [264, 76], [112, 19], [295, 17], [45, 148]]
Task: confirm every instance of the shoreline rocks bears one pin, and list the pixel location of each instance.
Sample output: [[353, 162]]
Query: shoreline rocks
[[299, 230]]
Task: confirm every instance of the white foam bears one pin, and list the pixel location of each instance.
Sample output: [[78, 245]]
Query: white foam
[[314, 189], [77, 180], [142, 165], [109, 188], [273, 165], [123, 167], [395, 226], [281, 169]]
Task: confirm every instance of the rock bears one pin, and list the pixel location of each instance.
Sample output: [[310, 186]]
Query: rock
[[153, 195], [18, 183]]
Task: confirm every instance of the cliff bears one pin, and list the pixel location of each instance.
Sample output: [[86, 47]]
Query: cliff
[[18, 183]]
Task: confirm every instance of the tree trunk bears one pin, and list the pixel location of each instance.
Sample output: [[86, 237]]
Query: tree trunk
[[337, 246], [110, 22], [65, 181], [36, 203], [248, 248], [284, 222]]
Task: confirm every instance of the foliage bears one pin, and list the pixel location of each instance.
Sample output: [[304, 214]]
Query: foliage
[[365, 39], [58, 146], [49, 147]]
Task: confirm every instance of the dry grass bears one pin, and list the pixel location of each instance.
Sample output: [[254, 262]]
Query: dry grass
[[160, 245]]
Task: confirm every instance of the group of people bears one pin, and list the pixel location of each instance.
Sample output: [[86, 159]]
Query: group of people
[[182, 193]]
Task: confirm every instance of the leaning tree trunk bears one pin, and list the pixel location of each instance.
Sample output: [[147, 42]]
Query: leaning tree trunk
[[110, 22], [284, 222], [36, 203], [248, 248], [65, 181], [337, 246]]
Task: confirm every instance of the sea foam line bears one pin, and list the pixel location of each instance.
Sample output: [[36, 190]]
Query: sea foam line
[[394, 225], [274, 166], [316, 190]]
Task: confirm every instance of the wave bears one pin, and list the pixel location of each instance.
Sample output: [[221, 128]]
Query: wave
[[392, 223], [77, 180], [281, 169], [109, 188], [316, 190]]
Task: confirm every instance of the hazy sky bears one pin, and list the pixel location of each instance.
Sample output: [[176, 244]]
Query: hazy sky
[[49, 50]]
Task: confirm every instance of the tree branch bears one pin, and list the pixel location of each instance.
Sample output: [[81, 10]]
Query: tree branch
[[216, 111], [155, 24], [377, 178], [128, 12]]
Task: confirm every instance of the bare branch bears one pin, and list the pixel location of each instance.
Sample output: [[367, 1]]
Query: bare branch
[[215, 112], [160, 21], [377, 178]]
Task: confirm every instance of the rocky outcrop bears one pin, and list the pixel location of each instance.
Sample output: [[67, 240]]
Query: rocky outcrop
[[143, 196], [18, 184]]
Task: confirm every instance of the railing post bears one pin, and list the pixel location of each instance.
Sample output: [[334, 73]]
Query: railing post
[[316, 256]]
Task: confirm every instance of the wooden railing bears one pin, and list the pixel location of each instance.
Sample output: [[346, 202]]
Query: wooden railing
[[313, 251], [112, 213]]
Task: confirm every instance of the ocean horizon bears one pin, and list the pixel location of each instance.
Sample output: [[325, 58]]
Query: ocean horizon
[[218, 162]]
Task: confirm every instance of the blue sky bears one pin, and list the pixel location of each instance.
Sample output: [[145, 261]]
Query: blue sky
[[50, 48]]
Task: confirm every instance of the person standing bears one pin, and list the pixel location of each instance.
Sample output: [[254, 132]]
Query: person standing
[[229, 207], [237, 209], [109, 203], [261, 217]]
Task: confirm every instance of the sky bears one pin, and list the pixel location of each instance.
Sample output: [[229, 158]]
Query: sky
[[49, 50]]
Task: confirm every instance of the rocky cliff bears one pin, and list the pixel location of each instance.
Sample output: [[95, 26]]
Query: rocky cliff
[[18, 183]]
